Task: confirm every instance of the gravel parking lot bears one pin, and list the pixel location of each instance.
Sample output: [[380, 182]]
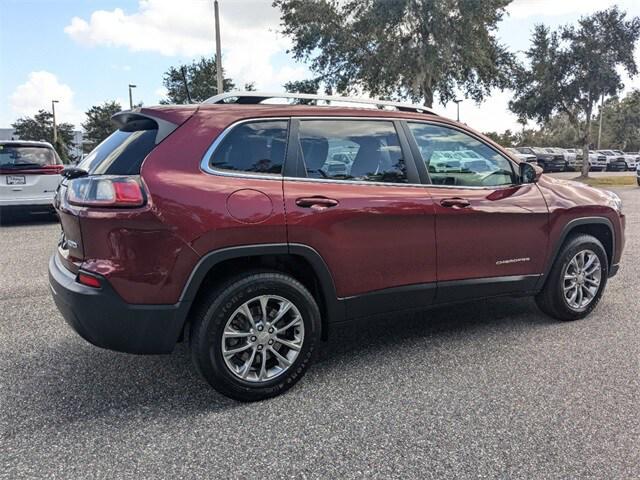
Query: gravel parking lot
[[484, 390]]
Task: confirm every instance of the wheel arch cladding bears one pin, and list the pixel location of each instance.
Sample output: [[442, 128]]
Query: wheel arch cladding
[[598, 227], [300, 261]]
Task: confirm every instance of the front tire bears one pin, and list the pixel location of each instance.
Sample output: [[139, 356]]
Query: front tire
[[255, 336], [576, 281]]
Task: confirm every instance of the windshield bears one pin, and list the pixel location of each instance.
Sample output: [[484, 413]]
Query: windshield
[[16, 156], [121, 153]]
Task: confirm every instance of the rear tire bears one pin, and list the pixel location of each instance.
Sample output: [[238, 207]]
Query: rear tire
[[243, 315], [568, 277]]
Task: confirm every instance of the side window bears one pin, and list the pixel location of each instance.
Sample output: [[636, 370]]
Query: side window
[[455, 158], [256, 147], [358, 150]]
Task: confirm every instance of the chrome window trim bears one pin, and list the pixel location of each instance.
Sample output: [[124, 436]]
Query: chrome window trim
[[205, 167], [205, 162], [206, 159], [513, 163]]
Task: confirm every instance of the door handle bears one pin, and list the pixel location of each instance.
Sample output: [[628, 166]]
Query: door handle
[[455, 203], [316, 203]]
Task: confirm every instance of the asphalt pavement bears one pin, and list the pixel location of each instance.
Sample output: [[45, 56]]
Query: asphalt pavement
[[491, 389]]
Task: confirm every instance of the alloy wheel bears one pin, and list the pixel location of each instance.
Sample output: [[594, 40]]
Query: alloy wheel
[[262, 338], [582, 278]]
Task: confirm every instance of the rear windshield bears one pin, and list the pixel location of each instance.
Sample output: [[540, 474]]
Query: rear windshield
[[15, 156], [121, 153]]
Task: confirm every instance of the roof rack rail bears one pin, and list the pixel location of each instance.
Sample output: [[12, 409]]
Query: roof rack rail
[[254, 98]]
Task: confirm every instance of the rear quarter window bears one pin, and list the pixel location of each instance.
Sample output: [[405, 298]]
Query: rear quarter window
[[256, 147]]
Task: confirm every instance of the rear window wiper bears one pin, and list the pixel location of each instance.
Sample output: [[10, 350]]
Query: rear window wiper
[[73, 172]]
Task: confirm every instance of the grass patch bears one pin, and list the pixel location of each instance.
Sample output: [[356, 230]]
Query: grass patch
[[616, 181]]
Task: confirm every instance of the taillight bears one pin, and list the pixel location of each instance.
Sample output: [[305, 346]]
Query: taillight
[[106, 191], [88, 280]]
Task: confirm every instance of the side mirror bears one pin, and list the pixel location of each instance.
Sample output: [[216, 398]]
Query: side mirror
[[529, 173]]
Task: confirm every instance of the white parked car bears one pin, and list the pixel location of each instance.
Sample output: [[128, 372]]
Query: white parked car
[[631, 159], [569, 154], [525, 157], [615, 161], [597, 161], [638, 173], [29, 176]]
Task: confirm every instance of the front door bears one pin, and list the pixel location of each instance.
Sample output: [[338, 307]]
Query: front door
[[491, 231], [360, 206]]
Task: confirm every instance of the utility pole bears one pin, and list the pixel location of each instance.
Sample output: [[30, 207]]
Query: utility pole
[[218, 50], [131, 96], [55, 127], [457, 102], [600, 127]]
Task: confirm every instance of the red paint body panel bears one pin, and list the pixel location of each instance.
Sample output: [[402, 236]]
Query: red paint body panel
[[569, 201], [494, 235], [377, 237], [194, 202]]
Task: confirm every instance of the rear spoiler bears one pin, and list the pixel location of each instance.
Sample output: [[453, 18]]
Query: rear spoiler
[[132, 121]]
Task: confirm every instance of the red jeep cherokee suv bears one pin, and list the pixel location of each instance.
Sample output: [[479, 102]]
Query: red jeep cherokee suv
[[249, 229]]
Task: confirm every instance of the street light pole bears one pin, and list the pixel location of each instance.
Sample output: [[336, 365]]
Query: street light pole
[[600, 127], [131, 96], [55, 127], [219, 81], [457, 102]]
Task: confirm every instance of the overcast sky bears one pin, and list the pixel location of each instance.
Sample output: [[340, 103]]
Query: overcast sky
[[85, 52]]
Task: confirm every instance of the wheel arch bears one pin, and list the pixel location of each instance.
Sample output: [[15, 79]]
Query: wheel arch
[[300, 261], [598, 227]]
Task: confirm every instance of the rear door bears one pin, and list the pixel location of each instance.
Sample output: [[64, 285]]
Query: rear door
[[29, 174], [491, 231], [354, 197]]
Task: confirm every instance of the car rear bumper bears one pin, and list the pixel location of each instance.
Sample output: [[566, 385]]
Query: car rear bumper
[[100, 316], [27, 208], [26, 201]]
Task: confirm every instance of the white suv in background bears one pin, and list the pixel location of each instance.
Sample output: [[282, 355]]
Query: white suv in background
[[525, 157], [631, 158], [568, 154], [615, 162], [29, 176], [597, 162]]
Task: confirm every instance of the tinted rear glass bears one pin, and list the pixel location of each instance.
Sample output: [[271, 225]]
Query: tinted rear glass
[[257, 147], [15, 156], [121, 153]]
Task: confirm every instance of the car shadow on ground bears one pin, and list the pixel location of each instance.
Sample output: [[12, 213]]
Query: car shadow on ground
[[71, 379]]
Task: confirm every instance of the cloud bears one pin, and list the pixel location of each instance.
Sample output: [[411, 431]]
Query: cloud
[[530, 8], [36, 94], [186, 29], [161, 92], [491, 115]]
